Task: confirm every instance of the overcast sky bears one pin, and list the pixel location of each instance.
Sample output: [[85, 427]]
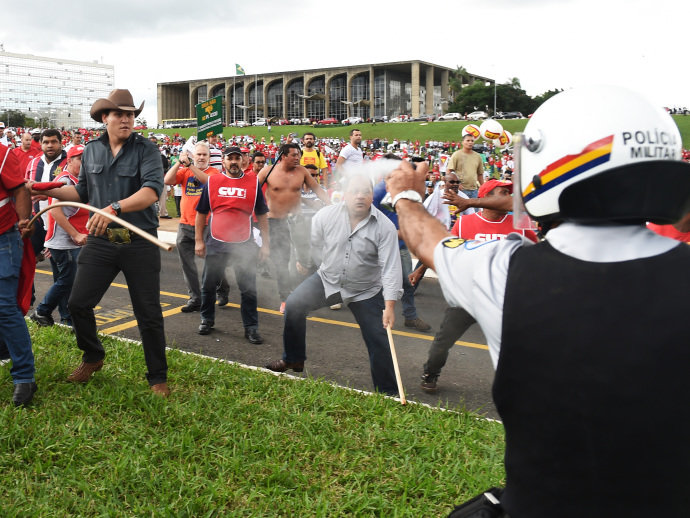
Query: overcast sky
[[546, 44]]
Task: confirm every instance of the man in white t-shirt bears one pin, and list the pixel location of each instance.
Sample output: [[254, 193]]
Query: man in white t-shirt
[[351, 154]]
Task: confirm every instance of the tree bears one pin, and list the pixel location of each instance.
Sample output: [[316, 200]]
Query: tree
[[540, 99], [141, 122], [13, 118]]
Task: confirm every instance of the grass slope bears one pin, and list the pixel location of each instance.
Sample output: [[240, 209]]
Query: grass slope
[[229, 442], [445, 130]]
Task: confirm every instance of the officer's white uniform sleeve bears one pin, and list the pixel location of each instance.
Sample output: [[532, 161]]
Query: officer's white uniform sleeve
[[473, 275]]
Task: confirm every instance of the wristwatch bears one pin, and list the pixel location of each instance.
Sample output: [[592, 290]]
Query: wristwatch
[[407, 195], [116, 207]]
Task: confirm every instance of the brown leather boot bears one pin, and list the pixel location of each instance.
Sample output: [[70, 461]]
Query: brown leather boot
[[161, 389], [83, 373]]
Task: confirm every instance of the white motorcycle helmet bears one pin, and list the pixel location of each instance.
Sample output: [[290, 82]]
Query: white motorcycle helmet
[[601, 154]]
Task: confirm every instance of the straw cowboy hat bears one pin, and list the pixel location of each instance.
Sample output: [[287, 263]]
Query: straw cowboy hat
[[117, 100]]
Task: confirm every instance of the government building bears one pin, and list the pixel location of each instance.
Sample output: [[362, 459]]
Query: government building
[[385, 89], [54, 92]]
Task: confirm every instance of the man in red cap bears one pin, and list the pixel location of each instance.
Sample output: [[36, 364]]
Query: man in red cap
[[65, 235], [487, 225]]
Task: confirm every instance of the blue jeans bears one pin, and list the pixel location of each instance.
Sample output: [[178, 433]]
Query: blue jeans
[[64, 264], [14, 335], [243, 258], [279, 232], [408, 308], [471, 193], [310, 295]]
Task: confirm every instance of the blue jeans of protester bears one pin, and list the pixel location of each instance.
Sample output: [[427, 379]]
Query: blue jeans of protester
[[15, 341], [409, 309], [243, 258], [309, 296], [140, 261], [64, 264], [471, 193]]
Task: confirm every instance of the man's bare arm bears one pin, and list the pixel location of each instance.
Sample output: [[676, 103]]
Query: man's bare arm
[[316, 188], [502, 203]]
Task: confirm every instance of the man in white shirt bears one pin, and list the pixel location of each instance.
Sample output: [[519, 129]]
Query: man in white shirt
[[351, 155]]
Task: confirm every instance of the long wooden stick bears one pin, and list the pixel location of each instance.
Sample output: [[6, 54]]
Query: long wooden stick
[[165, 246], [398, 379]]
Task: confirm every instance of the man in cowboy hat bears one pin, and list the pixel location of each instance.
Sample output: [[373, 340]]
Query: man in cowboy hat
[[122, 174]]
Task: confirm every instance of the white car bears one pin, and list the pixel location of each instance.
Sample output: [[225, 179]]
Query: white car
[[450, 117], [478, 115], [259, 122], [240, 124], [295, 121], [306, 120], [353, 120]]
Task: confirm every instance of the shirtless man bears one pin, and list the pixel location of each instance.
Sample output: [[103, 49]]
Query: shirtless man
[[283, 194]]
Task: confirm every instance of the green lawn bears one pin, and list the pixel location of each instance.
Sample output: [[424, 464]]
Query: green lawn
[[229, 442], [446, 130]]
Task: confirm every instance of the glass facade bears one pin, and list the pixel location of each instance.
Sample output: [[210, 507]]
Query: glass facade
[[236, 99], [274, 97], [379, 100], [58, 93], [359, 90], [202, 94], [337, 92], [316, 109], [256, 101], [293, 101]]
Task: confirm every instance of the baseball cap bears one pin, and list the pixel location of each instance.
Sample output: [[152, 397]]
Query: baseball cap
[[35, 131], [2, 124], [490, 185], [75, 151], [244, 150], [233, 150]]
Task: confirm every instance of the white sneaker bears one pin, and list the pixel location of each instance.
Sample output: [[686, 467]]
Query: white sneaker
[[337, 306]]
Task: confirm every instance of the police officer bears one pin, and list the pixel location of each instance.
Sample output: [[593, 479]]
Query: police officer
[[585, 328]]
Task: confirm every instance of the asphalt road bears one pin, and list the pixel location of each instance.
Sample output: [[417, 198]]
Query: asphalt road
[[335, 348]]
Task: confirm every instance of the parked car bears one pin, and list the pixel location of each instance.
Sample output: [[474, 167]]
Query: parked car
[[478, 115], [450, 117], [239, 124], [306, 120], [511, 115], [352, 120], [140, 127], [259, 122], [329, 120], [380, 118], [295, 121]]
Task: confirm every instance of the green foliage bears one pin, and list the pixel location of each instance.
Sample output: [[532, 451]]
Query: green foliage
[[12, 118], [228, 442]]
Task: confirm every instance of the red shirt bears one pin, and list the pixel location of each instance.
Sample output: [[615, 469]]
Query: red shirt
[[475, 226], [24, 157], [10, 179]]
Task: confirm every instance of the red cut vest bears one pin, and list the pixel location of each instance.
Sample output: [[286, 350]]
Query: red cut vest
[[232, 203], [77, 220]]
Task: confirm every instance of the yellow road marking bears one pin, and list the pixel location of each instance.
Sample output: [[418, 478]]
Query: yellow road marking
[[175, 311]]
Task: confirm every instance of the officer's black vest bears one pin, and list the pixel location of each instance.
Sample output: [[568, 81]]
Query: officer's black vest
[[593, 385]]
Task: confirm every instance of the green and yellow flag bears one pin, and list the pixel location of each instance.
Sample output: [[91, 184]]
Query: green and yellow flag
[[239, 71]]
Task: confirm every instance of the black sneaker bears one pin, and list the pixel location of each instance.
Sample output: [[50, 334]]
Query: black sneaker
[[429, 383], [253, 336], [205, 327], [42, 320], [190, 307], [222, 299], [24, 393]]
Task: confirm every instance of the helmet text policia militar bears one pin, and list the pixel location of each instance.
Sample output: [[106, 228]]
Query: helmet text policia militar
[[601, 154]]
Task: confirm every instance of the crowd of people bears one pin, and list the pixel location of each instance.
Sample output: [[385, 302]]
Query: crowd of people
[[340, 230]]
